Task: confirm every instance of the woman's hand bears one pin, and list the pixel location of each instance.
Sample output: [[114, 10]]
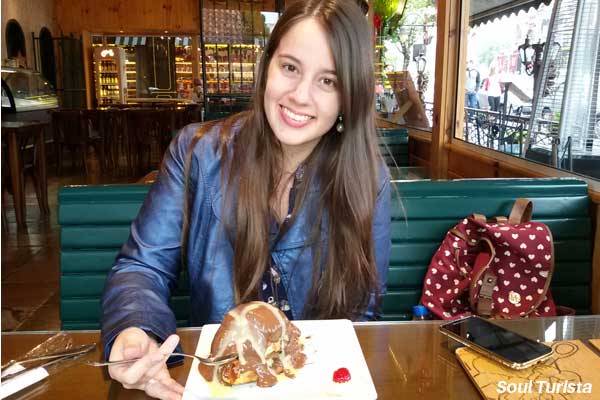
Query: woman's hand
[[149, 374]]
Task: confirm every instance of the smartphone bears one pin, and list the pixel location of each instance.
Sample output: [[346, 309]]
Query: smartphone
[[507, 347]]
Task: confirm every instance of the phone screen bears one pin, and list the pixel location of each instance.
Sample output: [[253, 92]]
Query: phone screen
[[506, 344]]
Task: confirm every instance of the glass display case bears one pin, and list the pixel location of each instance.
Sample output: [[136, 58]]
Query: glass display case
[[25, 92], [109, 75]]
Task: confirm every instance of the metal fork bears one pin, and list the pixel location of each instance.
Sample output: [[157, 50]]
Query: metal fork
[[214, 361]]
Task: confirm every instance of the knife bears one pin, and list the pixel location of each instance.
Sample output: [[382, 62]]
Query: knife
[[55, 358], [72, 351]]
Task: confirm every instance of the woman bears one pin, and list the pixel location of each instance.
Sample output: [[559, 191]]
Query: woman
[[287, 203], [493, 88]]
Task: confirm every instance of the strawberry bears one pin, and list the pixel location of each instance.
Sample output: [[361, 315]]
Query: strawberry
[[341, 375]]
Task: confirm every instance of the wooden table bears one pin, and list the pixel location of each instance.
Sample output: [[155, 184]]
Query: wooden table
[[407, 360], [12, 131]]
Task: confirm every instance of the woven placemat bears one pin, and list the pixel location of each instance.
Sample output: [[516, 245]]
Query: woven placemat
[[571, 372]]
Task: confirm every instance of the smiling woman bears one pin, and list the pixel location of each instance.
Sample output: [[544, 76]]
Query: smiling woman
[[288, 203]]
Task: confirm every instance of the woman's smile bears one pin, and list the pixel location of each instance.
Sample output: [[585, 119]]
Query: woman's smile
[[294, 119]]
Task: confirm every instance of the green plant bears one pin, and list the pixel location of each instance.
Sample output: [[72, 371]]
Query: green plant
[[386, 8], [402, 29], [516, 136]]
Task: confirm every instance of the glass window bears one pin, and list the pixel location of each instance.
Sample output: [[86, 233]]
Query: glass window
[[405, 62], [97, 40], [530, 86], [233, 42], [183, 67]]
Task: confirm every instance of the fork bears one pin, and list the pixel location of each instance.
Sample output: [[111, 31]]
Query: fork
[[213, 361]]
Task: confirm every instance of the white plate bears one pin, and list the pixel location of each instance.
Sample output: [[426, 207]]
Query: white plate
[[332, 344]]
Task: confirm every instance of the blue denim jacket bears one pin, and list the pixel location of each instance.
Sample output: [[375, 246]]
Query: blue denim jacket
[[146, 270]]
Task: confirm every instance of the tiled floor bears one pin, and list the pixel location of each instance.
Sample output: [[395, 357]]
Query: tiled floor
[[30, 262]]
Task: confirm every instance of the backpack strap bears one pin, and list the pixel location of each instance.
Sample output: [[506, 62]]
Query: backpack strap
[[481, 300], [521, 211], [484, 298], [479, 218]]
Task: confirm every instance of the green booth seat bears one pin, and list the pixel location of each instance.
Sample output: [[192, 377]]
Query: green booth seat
[[393, 144], [95, 223]]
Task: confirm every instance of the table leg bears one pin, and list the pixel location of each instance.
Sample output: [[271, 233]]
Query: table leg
[[43, 178], [14, 159]]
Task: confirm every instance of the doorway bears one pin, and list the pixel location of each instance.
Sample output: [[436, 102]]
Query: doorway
[[15, 43]]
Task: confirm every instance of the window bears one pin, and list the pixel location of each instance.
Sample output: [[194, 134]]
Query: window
[[405, 61], [48, 60], [15, 40], [530, 87]]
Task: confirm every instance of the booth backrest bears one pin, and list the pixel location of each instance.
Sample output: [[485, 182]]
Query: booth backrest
[[393, 144], [430, 208], [95, 222]]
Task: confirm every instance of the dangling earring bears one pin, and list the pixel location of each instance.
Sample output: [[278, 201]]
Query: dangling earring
[[340, 125]]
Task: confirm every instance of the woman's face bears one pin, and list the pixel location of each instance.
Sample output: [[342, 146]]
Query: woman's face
[[302, 100]]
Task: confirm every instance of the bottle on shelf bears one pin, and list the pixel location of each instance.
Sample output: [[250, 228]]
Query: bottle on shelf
[[420, 313]]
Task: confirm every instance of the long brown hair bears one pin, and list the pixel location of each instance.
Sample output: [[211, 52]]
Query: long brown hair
[[345, 165]]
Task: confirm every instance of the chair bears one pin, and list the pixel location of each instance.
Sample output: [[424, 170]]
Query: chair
[[27, 146], [30, 160], [186, 115], [5, 186], [69, 133], [94, 125], [116, 140], [192, 113], [149, 178], [148, 137]]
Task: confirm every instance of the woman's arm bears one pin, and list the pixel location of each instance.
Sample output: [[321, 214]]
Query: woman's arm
[[139, 285]]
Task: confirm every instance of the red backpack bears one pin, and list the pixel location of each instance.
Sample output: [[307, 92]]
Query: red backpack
[[499, 269]]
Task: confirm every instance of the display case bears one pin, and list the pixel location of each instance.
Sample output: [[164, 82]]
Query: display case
[[230, 68], [26, 94], [183, 73], [233, 39], [110, 75]]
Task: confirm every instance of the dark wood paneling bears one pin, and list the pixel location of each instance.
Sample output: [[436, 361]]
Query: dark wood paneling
[[141, 16], [418, 152], [466, 167], [75, 16]]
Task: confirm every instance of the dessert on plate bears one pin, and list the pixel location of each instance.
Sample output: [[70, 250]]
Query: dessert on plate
[[266, 342]]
